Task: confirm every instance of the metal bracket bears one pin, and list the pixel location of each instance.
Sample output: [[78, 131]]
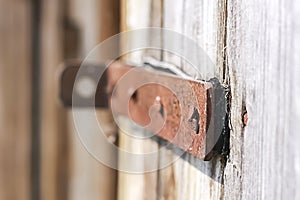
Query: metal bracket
[[196, 123]]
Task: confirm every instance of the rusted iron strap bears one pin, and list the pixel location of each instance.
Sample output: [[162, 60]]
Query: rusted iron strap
[[190, 114]]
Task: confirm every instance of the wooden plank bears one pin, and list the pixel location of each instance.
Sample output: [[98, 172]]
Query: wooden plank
[[202, 22], [109, 19], [54, 149], [135, 185], [90, 179], [263, 59], [15, 99], [156, 20], [136, 14], [173, 19]]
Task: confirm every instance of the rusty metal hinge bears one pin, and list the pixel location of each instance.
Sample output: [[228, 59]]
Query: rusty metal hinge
[[189, 113]]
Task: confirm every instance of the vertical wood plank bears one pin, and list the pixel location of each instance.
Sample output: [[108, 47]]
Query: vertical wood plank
[[173, 19], [203, 22], [15, 100], [90, 179], [263, 62], [136, 14], [54, 154], [292, 166], [110, 11], [132, 185]]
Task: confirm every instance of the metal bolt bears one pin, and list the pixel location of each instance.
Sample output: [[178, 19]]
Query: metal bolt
[[245, 118]]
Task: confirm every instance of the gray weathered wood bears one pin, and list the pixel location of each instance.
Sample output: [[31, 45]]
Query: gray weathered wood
[[263, 61], [202, 22], [188, 178], [254, 46]]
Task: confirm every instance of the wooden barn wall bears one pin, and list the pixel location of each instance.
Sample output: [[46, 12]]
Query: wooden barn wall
[[254, 46]]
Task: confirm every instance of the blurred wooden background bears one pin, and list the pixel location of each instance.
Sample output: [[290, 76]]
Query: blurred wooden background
[[41, 156], [254, 45]]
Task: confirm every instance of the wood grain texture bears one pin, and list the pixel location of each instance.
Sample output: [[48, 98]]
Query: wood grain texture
[[187, 178], [254, 47], [203, 22], [135, 185], [15, 99], [263, 61], [136, 14]]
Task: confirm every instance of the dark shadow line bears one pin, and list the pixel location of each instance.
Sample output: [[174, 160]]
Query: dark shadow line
[[35, 100]]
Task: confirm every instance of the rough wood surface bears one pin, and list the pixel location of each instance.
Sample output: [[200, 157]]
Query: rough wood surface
[[260, 45], [136, 14], [187, 178], [202, 21], [263, 61], [15, 100]]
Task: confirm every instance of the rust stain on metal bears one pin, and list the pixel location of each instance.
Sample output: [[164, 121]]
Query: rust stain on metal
[[181, 126], [178, 110]]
